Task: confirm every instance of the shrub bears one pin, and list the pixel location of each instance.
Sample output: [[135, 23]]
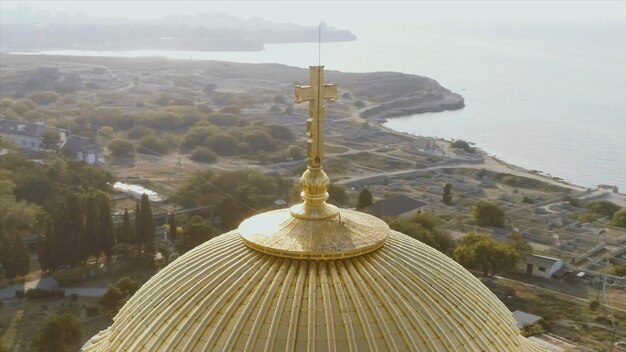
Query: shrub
[[223, 119], [603, 208], [138, 132], [153, 145], [231, 109], [60, 333], [619, 218], [44, 97], [485, 213], [223, 144], [280, 132], [588, 217], [532, 330], [528, 200], [259, 140], [92, 311], [120, 148], [463, 145], [40, 293], [71, 276], [203, 154]]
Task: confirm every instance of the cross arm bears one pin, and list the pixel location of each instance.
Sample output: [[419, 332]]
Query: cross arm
[[304, 93]]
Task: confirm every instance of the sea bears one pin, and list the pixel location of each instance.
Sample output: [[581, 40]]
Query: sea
[[546, 95]]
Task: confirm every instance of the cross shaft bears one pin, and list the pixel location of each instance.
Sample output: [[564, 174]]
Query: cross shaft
[[315, 93]]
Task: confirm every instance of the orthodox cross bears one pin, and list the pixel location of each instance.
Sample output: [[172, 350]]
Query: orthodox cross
[[315, 93]]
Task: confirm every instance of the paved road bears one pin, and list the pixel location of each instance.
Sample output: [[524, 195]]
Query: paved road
[[50, 283]]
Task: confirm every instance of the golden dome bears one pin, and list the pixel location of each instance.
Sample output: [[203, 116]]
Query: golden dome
[[223, 295], [312, 278]]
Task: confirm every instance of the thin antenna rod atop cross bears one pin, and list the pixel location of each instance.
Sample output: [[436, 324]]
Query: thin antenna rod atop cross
[[319, 45]]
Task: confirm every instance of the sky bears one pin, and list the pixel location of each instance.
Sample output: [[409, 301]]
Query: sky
[[346, 13]]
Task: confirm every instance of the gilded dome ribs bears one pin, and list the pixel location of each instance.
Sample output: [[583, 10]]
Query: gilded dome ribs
[[357, 304], [265, 304], [287, 286], [295, 307], [328, 306], [252, 280], [343, 306]]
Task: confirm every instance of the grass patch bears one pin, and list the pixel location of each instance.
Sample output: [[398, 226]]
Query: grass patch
[[8, 337], [526, 182]]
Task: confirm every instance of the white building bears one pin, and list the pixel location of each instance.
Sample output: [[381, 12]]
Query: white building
[[539, 265], [28, 136]]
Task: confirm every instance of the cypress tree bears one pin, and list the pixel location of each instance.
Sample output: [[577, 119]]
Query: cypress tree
[[75, 230], [124, 234], [62, 239], [138, 232], [447, 194], [173, 229], [106, 227], [22, 257], [147, 223], [365, 199], [42, 253], [92, 228]]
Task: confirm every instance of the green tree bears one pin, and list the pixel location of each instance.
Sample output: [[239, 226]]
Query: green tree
[[147, 222], [51, 140], [619, 218], [365, 199], [92, 228], [112, 301], [337, 194], [127, 285], [463, 145], [107, 235], [173, 227], [194, 233], [447, 194], [14, 256], [481, 251], [60, 333], [485, 213], [519, 243], [424, 228], [203, 154], [74, 232], [117, 295]]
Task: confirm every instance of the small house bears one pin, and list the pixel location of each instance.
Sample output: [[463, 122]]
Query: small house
[[539, 265], [522, 318], [401, 206], [82, 149], [29, 136]]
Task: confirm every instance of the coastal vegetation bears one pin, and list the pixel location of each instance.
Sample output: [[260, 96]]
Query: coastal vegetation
[[481, 251], [486, 213]]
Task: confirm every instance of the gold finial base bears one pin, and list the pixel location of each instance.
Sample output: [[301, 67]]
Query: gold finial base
[[347, 234]]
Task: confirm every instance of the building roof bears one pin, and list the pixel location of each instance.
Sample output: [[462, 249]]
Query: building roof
[[523, 318], [23, 128], [80, 144], [394, 206], [223, 295], [540, 260]]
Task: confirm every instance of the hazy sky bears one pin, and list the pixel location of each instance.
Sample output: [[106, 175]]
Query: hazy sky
[[345, 13]]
